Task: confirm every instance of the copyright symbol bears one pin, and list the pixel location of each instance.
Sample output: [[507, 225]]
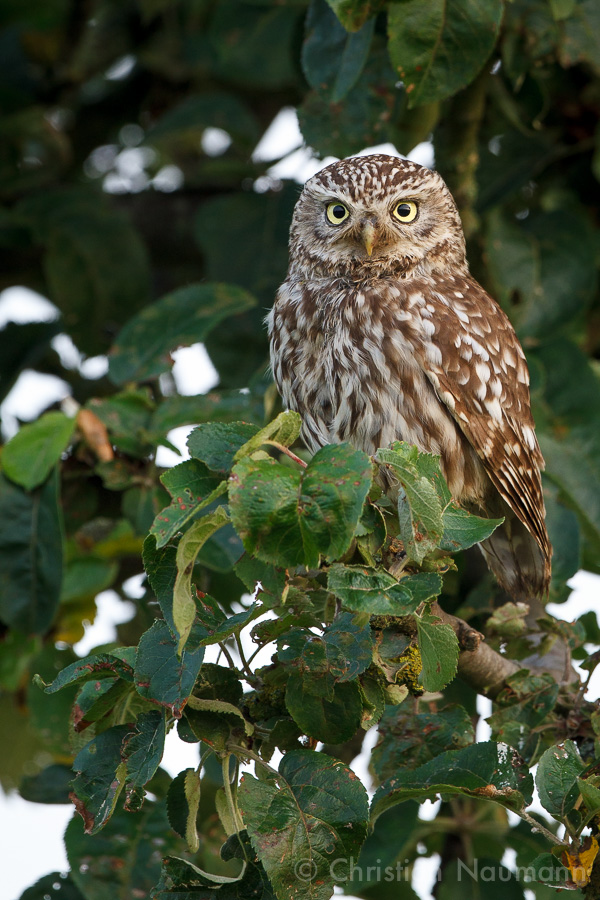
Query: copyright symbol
[[305, 870]]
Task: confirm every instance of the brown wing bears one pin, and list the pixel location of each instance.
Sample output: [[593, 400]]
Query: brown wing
[[479, 372]]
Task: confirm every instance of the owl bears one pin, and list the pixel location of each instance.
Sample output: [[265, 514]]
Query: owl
[[379, 333]]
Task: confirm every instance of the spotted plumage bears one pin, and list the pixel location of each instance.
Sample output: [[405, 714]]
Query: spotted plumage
[[379, 333]]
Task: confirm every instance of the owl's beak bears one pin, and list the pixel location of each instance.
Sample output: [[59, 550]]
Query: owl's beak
[[369, 235]]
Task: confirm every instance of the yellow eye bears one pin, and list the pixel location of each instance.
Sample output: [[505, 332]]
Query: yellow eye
[[337, 213], [406, 211]]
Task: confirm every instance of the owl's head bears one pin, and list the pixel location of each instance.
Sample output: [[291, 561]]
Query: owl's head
[[375, 215]]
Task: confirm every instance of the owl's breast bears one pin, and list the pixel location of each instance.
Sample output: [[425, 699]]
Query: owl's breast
[[349, 358]]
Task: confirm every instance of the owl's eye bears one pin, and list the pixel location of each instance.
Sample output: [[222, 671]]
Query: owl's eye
[[406, 211], [337, 213]]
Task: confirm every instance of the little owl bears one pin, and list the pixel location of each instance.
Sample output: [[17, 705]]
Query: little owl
[[379, 333]]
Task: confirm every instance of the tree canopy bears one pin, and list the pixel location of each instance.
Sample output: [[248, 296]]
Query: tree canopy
[[133, 199]]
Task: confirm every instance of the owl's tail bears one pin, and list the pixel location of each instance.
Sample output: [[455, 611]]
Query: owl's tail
[[516, 559]]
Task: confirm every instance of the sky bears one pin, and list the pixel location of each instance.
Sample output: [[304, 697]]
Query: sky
[[23, 824]]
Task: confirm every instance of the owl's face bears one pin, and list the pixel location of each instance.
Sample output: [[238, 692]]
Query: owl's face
[[375, 214]]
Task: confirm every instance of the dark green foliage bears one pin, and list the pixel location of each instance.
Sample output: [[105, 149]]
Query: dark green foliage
[[132, 197]]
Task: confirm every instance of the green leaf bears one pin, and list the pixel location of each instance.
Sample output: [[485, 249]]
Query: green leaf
[[161, 569], [439, 652], [29, 457], [201, 704], [20, 345], [354, 13], [487, 770], [376, 592], [341, 653], [216, 443], [589, 792], [186, 121], [332, 720], [183, 802], [184, 608], [46, 888], [364, 118], [579, 42], [148, 839], [284, 429], [96, 666], [184, 317], [521, 706], [160, 674], [142, 752], [127, 416], [437, 48], [546, 263], [462, 529], [100, 778], [332, 59], [485, 876], [419, 505], [290, 518], [556, 778], [312, 812], [95, 262], [51, 785], [409, 739], [30, 555]]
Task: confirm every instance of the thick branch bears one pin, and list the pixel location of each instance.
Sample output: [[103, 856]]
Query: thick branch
[[480, 666]]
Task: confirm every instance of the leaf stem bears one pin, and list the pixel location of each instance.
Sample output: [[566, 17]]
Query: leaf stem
[[227, 654], [537, 826], [244, 751], [231, 802], [287, 452]]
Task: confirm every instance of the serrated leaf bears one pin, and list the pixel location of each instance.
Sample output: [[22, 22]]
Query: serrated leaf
[[556, 778], [216, 443], [29, 457], [284, 429], [487, 770], [162, 676], [184, 317], [462, 529], [183, 802], [419, 505], [142, 752], [184, 607], [220, 706], [437, 48], [101, 776], [409, 739], [341, 653], [333, 719], [439, 649], [314, 810], [96, 666], [590, 794], [291, 518], [192, 486], [375, 591]]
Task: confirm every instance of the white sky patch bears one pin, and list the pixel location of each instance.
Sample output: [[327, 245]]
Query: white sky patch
[[111, 611], [282, 137], [30, 396], [20, 304], [193, 370], [178, 437]]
